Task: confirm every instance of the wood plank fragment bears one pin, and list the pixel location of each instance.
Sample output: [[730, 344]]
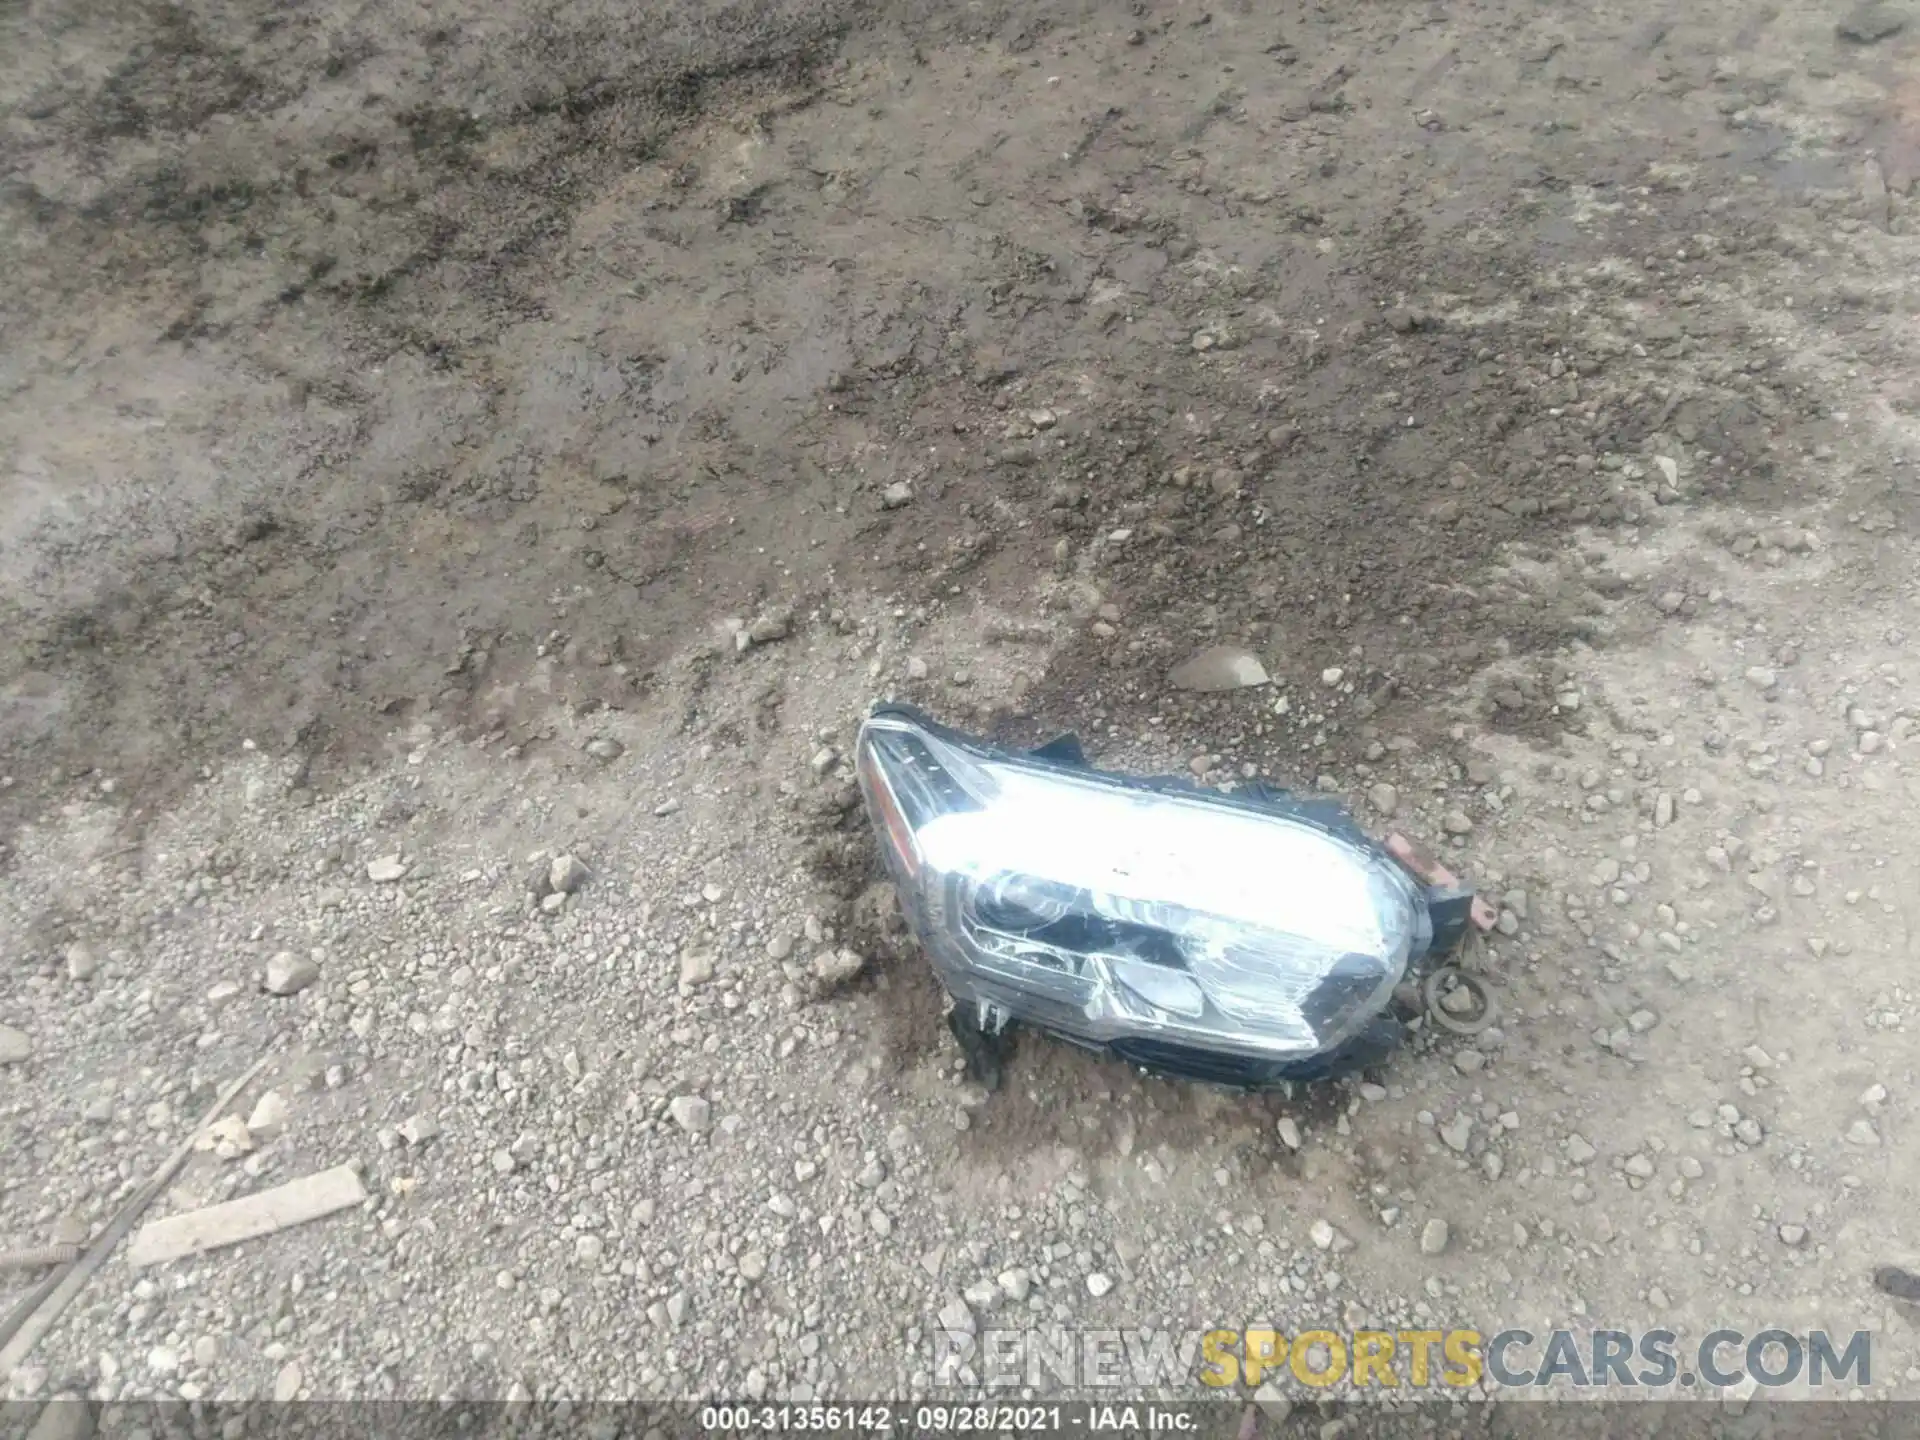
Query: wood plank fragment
[[311, 1197]]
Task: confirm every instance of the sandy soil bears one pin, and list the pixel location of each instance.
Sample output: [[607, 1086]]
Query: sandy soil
[[396, 402]]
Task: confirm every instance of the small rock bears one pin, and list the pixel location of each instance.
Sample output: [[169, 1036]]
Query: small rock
[[1748, 1132], [566, 875], [286, 1385], [696, 969], [1015, 1284], [1469, 1061], [269, 1115], [1099, 1284], [1434, 1236], [386, 870], [1384, 798], [1861, 1132], [896, 496], [1792, 1235], [1872, 1098], [691, 1113], [1663, 810], [418, 1129], [1762, 677], [1322, 1234], [916, 668], [1578, 1151], [836, 967], [1456, 822], [226, 1137], [1457, 1132], [81, 963], [605, 747], [771, 625], [1289, 1131], [14, 1046], [1222, 667], [1872, 22], [289, 974], [1871, 742], [1273, 1402], [1639, 1166]]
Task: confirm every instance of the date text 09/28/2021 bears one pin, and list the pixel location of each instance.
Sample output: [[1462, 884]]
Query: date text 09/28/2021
[[974, 1418]]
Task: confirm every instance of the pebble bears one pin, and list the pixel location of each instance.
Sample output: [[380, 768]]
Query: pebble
[[1456, 822], [1457, 1132], [1872, 21], [1289, 1130], [1469, 1061], [1871, 742], [1793, 1235], [1578, 1151], [1748, 1132], [1861, 1132], [289, 974], [81, 963], [1384, 798], [896, 496], [696, 969], [269, 1115], [1322, 1234], [691, 1113], [771, 625], [1274, 1402], [1016, 1284], [14, 1046], [1761, 677], [387, 870], [836, 967], [1639, 1166], [286, 1385], [566, 875], [1099, 1284], [418, 1129], [1434, 1236]]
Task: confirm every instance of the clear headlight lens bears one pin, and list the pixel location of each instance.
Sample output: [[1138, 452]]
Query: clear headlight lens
[[1104, 908]]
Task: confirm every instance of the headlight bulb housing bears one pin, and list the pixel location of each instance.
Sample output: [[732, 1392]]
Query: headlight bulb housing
[[1244, 938]]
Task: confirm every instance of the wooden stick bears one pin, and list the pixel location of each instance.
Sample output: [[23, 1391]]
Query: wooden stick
[[30, 1322], [311, 1197]]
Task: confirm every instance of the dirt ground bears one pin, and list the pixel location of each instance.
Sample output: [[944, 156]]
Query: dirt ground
[[403, 407]]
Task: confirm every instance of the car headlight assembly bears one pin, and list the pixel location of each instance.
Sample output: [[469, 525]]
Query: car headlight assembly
[[1243, 938]]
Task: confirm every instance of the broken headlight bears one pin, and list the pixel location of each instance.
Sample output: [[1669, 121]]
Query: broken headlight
[[1233, 937]]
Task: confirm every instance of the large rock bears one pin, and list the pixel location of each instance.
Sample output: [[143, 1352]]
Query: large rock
[[1220, 667]]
